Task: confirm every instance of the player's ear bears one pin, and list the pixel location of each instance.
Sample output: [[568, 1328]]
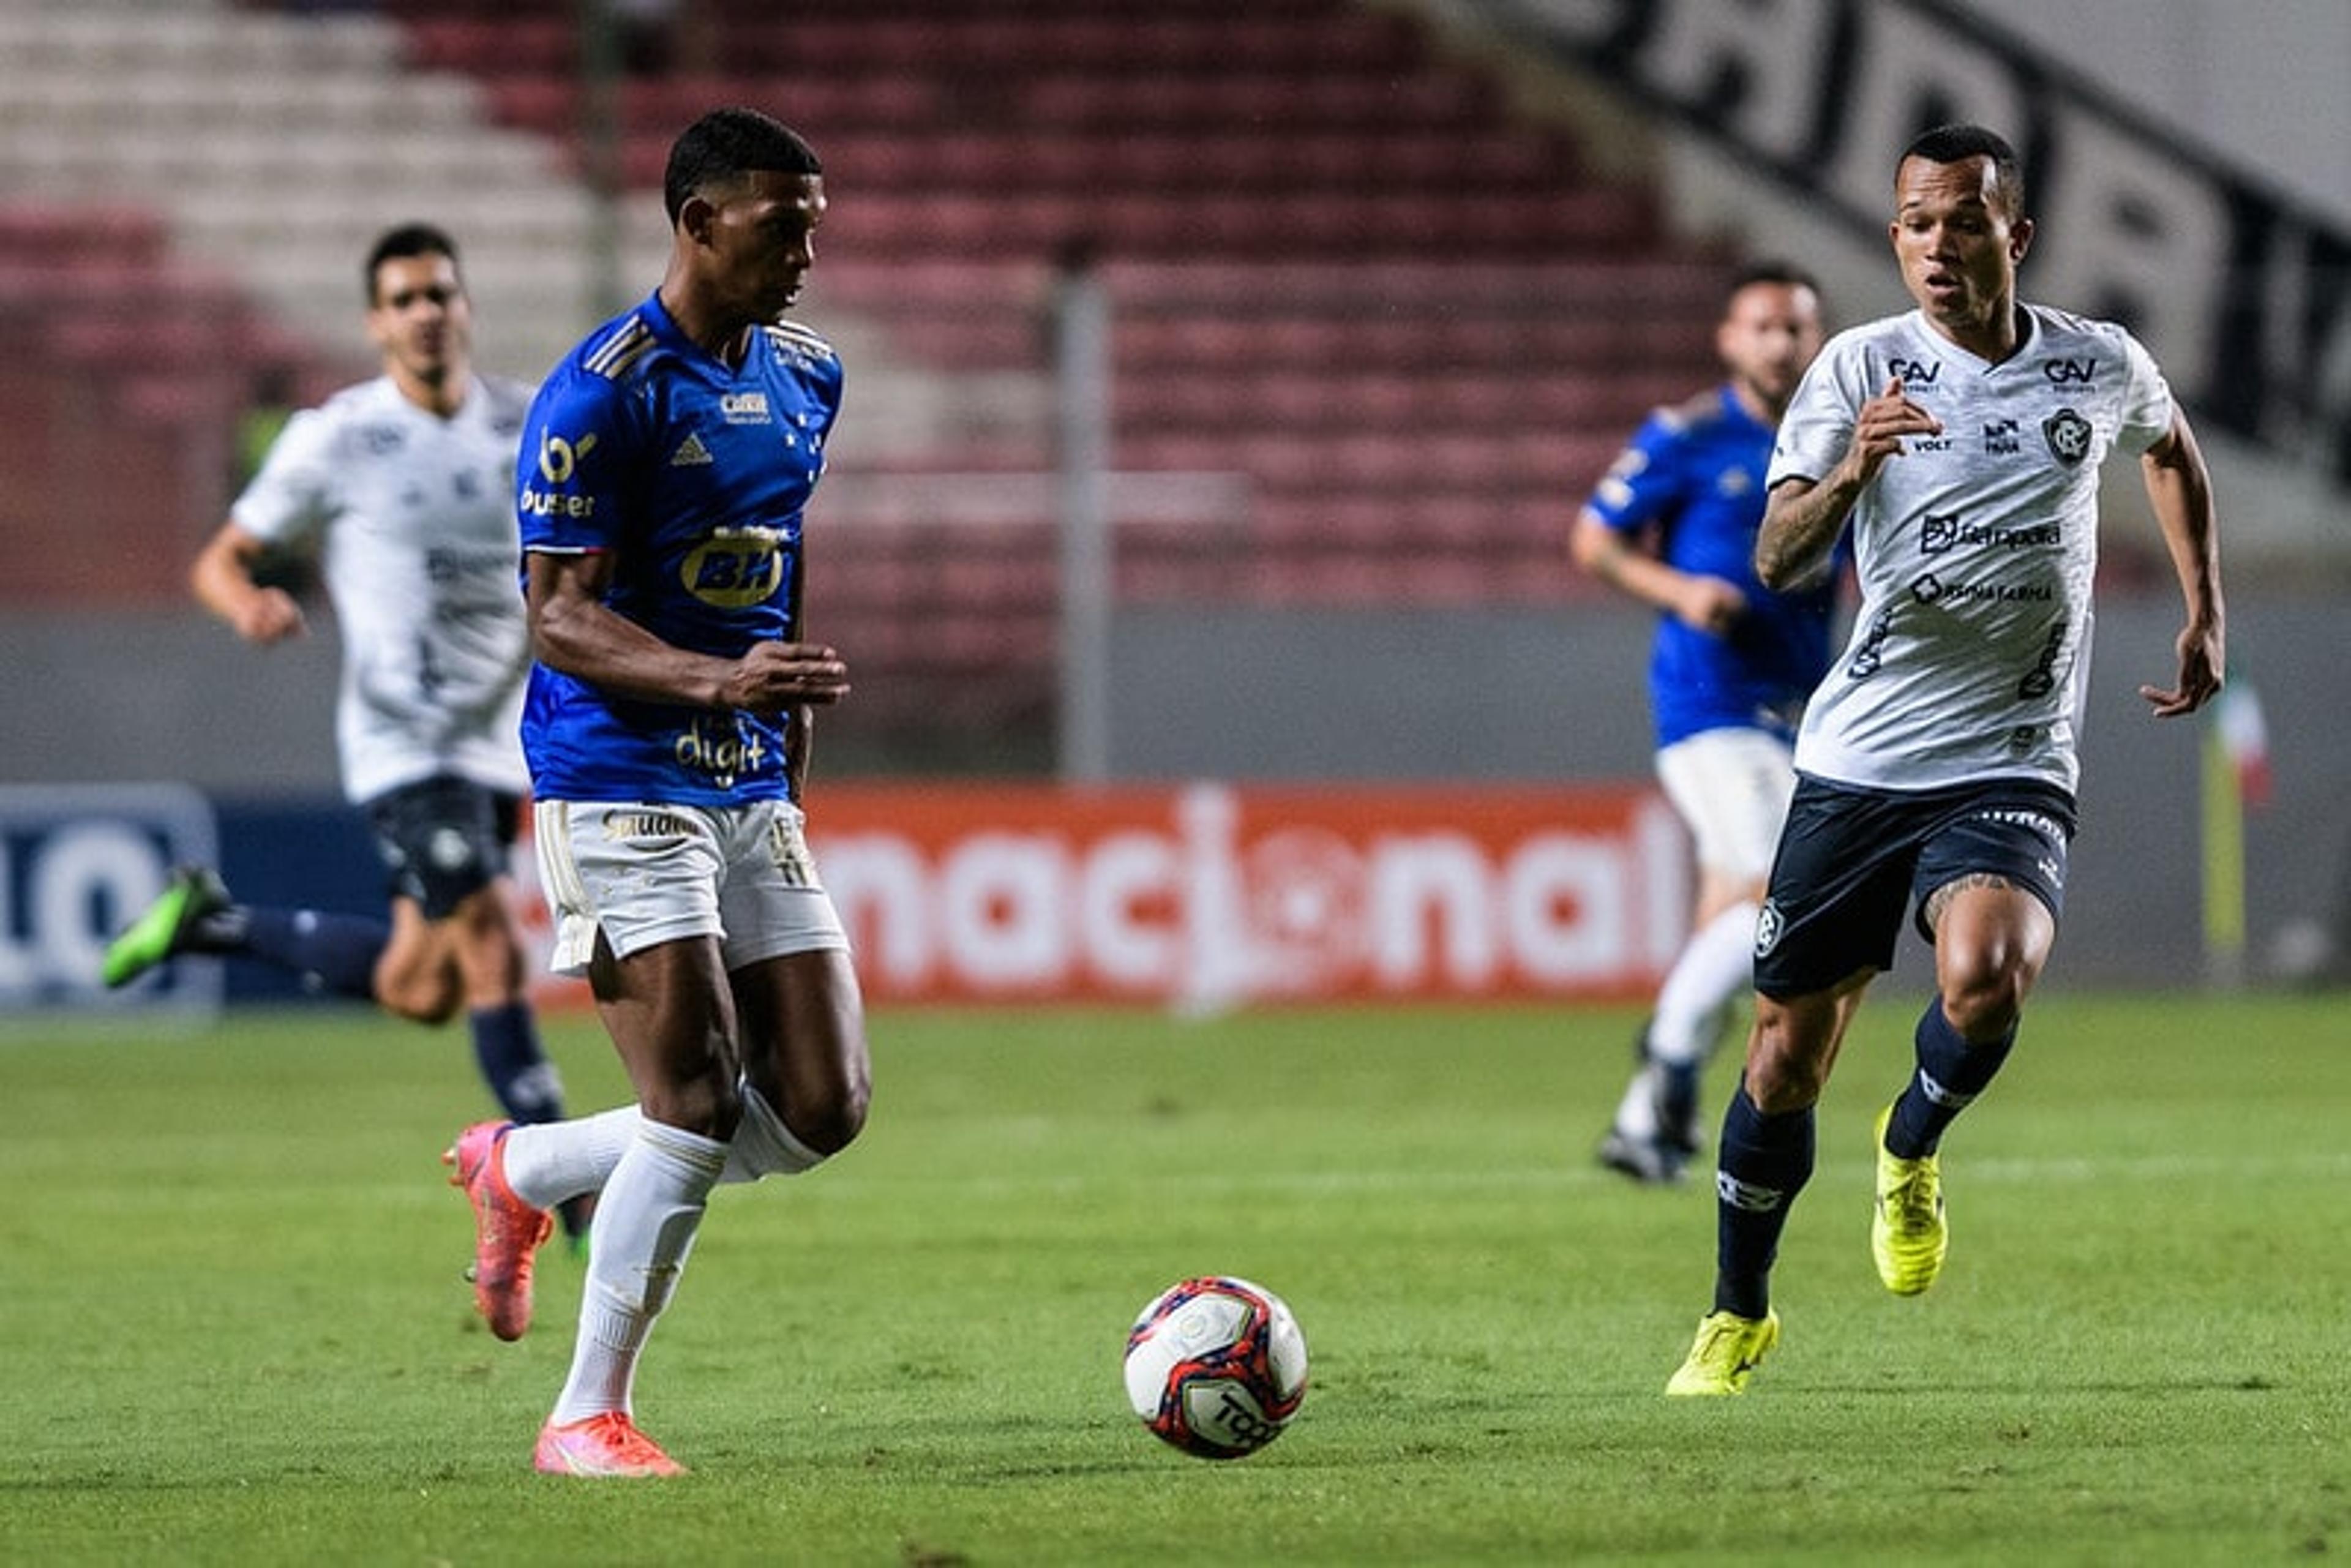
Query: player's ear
[[695, 218], [2020, 238]]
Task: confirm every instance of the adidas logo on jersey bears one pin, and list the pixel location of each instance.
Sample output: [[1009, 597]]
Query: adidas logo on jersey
[[690, 453]]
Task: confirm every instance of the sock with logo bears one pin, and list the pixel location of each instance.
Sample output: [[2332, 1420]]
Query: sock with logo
[[335, 952], [1763, 1163], [1950, 1074], [514, 1064]]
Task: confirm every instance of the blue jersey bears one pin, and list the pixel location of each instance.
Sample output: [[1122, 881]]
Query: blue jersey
[[1694, 474], [693, 476]]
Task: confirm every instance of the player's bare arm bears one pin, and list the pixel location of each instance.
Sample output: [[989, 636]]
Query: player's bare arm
[[1803, 517], [222, 580], [571, 630], [1703, 603], [2179, 488]]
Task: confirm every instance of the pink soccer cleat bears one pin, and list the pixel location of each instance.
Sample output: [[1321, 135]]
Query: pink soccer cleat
[[605, 1445], [507, 1230]]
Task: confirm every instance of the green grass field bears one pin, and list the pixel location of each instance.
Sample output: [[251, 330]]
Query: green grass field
[[233, 1330]]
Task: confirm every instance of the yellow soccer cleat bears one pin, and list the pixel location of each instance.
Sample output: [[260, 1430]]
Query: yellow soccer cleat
[[1727, 1349], [1907, 1235]]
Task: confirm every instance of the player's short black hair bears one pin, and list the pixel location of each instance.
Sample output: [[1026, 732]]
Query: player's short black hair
[[1771, 269], [1957, 143], [407, 240], [726, 144]]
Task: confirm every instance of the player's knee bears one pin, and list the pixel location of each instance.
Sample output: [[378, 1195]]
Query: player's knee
[[1983, 991], [1985, 1004], [707, 1103], [836, 1119], [427, 999], [1785, 1070]]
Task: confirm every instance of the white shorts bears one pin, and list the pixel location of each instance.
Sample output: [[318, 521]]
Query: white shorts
[[644, 874], [1731, 788]]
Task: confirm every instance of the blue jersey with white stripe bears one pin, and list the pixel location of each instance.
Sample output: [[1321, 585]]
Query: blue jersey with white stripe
[[1695, 474], [693, 475]]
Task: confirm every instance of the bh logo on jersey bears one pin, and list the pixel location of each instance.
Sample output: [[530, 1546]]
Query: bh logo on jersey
[[735, 568]]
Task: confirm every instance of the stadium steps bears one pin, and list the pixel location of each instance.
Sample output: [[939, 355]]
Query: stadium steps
[[129, 369], [1345, 273]]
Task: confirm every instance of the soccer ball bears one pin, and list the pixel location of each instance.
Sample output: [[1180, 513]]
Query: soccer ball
[[1216, 1367]]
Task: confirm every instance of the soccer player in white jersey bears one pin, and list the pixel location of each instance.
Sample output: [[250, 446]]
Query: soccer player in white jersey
[[403, 486], [1961, 443], [669, 461]]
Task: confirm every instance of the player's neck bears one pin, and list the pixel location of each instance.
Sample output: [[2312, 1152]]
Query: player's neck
[[440, 396], [722, 334], [1994, 338], [1762, 410]]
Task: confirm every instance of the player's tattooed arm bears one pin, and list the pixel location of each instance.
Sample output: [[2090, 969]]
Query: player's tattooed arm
[[1804, 516]]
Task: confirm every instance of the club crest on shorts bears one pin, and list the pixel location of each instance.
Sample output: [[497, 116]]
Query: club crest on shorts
[[1769, 923]]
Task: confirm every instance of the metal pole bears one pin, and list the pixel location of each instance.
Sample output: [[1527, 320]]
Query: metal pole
[[599, 135], [1081, 345]]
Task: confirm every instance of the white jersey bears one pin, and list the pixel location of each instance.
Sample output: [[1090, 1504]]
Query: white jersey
[[1970, 653], [414, 518]]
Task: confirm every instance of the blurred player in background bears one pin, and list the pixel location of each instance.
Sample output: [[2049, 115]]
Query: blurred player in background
[[404, 486], [668, 460], [1673, 524], [1937, 765]]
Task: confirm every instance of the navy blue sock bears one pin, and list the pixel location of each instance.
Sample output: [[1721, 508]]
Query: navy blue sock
[[505, 1044], [1949, 1075], [1677, 1103], [1763, 1164], [331, 952]]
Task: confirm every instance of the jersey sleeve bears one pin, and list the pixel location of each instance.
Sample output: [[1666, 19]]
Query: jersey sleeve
[[2146, 400], [1645, 482], [1818, 425], [578, 446], [291, 497]]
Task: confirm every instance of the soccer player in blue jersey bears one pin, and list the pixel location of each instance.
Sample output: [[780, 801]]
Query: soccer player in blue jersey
[[1673, 524], [1960, 444], [666, 464], [402, 485]]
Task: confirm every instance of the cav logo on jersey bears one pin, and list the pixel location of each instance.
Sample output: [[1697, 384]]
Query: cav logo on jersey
[[735, 567], [2068, 434], [558, 458]]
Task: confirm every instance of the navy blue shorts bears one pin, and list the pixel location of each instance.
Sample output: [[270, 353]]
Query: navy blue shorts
[[1852, 861], [444, 839]]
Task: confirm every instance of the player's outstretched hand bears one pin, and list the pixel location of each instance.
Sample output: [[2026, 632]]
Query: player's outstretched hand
[[2199, 676], [774, 675]]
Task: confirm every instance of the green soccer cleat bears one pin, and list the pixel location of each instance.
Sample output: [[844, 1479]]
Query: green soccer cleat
[[164, 930], [1727, 1350], [1907, 1235]]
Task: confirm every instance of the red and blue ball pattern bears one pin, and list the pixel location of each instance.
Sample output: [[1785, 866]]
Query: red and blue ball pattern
[[1216, 1367]]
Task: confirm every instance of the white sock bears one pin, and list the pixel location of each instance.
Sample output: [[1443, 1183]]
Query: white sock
[[763, 1145], [547, 1162], [1717, 967], [1636, 1114], [644, 1228]]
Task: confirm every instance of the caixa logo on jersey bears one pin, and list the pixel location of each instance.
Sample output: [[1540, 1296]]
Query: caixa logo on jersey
[[76, 863]]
